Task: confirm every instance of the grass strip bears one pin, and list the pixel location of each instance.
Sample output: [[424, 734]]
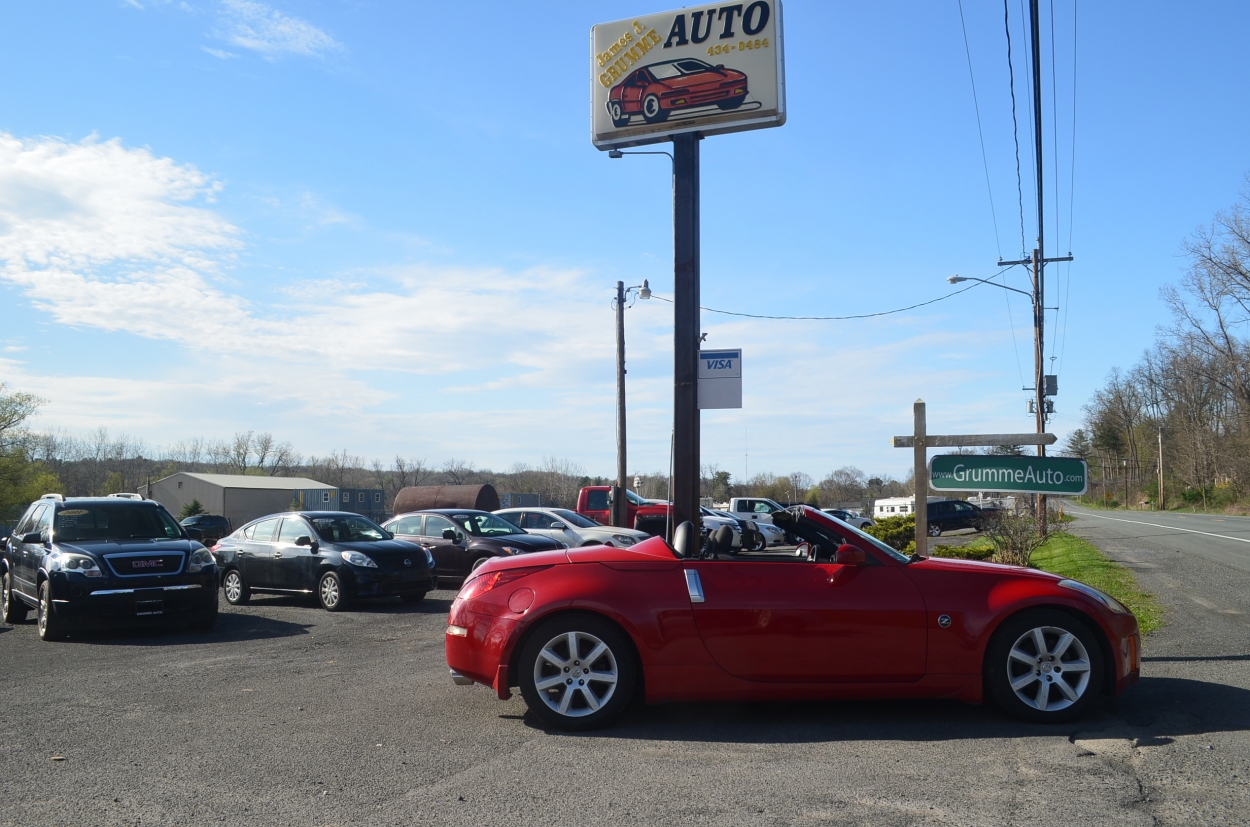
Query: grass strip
[[1074, 558]]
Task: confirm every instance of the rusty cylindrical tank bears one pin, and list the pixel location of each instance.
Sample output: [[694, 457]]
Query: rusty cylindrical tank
[[419, 497]]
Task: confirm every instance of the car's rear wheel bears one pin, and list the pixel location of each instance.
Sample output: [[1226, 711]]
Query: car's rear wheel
[[619, 117], [12, 609], [1044, 665], [330, 593], [478, 563], [652, 112], [761, 542], [236, 588], [732, 103], [577, 672], [49, 625], [935, 530]]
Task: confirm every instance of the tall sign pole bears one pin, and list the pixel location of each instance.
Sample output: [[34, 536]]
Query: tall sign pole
[[620, 505], [686, 328]]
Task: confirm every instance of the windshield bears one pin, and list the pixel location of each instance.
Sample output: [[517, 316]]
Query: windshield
[[634, 498], [573, 518], [113, 522], [893, 552], [487, 525], [348, 530]]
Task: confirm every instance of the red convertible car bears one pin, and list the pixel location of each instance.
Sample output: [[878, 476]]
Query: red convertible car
[[845, 616], [656, 90]]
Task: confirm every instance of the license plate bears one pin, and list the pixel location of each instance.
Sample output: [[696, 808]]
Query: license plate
[[149, 607]]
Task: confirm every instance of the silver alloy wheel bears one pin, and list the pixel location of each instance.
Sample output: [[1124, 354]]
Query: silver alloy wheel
[[45, 596], [233, 586], [575, 674], [1048, 668], [330, 592], [651, 106], [6, 596]]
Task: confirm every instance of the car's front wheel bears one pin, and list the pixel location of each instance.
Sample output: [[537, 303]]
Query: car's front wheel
[[49, 624], [1044, 665], [330, 592], [577, 672], [652, 112], [478, 563], [935, 530], [619, 117], [12, 609], [236, 588]]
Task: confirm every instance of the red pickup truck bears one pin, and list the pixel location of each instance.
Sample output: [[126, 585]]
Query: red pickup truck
[[652, 518]]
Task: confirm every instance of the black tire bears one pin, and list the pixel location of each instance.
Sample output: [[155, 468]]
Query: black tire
[[50, 627], [732, 103], [12, 610], [331, 594], [477, 564], [760, 544], [935, 530], [652, 112], [415, 597], [619, 118], [206, 621], [575, 694], [1067, 684], [238, 593]]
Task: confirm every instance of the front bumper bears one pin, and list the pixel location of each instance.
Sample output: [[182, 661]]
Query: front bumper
[[89, 603], [379, 583]]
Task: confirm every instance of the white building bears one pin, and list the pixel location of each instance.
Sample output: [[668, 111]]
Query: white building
[[897, 506], [241, 498]]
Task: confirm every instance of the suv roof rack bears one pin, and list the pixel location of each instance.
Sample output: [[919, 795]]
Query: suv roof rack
[[57, 497], [126, 496]]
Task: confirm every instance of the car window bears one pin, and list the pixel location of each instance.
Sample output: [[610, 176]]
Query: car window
[[262, 532], [348, 529], [763, 508], [517, 518], [689, 67], [435, 526], [292, 529], [407, 525], [536, 519], [114, 522], [486, 525], [664, 70], [597, 500], [574, 519], [24, 527]]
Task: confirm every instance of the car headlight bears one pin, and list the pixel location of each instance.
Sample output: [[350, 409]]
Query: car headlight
[[429, 558], [200, 560], [624, 539], [78, 563], [511, 550], [358, 559], [1102, 597]]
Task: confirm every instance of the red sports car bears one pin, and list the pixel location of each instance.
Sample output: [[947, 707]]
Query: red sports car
[[656, 90], [844, 616]]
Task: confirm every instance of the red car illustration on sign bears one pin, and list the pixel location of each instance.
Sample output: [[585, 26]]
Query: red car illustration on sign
[[656, 90]]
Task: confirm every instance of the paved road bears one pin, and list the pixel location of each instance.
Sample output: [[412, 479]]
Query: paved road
[[285, 714]]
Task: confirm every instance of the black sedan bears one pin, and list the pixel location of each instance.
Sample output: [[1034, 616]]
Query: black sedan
[[336, 555], [463, 539], [950, 515]]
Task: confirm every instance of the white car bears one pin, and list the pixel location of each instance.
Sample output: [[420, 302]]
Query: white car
[[713, 521], [570, 527], [773, 536], [853, 520]]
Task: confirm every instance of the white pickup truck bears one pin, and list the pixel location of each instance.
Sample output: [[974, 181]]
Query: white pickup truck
[[754, 508]]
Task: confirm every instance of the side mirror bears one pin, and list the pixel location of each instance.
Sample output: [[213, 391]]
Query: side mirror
[[849, 555], [558, 526], [33, 537], [193, 532], [303, 540], [449, 534]]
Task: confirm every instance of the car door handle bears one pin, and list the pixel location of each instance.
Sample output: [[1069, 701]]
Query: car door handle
[[277, 554]]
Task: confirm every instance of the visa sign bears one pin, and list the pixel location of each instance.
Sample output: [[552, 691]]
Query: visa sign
[[720, 379]]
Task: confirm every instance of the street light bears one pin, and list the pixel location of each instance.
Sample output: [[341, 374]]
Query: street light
[[957, 279], [620, 505]]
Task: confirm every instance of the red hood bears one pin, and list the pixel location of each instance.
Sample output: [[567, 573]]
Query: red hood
[[957, 565]]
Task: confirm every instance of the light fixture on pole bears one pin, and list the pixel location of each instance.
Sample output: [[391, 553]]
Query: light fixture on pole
[[620, 504]]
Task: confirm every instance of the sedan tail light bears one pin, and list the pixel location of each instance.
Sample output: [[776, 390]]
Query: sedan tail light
[[482, 583]]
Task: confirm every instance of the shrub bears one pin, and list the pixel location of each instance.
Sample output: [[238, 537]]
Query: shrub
[[895, 532], [969, 552], [191, 509], [1013, 537]]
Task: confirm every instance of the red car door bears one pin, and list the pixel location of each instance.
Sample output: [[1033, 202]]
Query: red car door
[[811, 622]]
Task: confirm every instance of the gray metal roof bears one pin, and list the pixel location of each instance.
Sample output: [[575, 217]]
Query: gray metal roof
[[249, 481]]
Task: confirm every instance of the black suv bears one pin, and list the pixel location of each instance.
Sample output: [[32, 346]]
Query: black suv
[[949, 515], [95, 562], [211, 527]]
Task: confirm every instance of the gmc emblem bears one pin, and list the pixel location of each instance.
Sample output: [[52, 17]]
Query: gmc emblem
[[147, 564]]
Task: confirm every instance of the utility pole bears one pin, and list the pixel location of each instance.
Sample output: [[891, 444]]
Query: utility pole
[[1038, 260], [620, 505], [686, 324], [1162, 500]]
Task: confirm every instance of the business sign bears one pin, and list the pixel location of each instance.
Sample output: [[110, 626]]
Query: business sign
[[720, 379], [1021, 475], [710, 70]]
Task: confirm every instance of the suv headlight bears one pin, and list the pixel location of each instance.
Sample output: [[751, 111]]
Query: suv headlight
[[78, 563], [358, 559], [1102, 597], [200, 560], [624, 539], [511, 550]]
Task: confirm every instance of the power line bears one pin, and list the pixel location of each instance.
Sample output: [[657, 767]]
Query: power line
[[1067, 270], [655, 295], [1015, 126], [984, 160]]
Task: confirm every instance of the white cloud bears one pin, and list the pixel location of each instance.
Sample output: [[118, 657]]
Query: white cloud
[[220, 53], [260, 28]]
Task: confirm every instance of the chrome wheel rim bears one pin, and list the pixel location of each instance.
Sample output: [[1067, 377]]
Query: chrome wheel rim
[[329, 591], [616, 111], [233, 587], [1048, 668], [5, 595], [43, 610], [652, 107], [575, 674]]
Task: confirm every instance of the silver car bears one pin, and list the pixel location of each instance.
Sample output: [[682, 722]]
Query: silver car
[[570, 527]]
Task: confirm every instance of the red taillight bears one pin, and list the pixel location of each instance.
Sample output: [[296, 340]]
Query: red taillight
[[480, 585], [216, 546]]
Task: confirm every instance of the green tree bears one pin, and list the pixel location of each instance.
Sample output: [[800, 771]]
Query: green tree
[[191, 509], [21, 479]]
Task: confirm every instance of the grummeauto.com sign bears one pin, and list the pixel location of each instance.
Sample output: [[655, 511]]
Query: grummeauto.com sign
[[710, 70], [1022, 475]]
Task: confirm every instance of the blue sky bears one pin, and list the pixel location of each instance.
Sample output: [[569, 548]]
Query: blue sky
[[382, 226]]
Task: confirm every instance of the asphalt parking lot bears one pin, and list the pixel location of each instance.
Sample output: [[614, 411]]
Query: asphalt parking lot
[[285, 714]]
